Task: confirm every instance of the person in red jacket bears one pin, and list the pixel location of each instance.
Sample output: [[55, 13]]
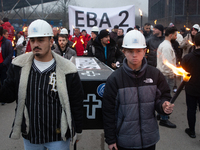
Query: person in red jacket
[[79, 41], [87, 36], [6, 25]]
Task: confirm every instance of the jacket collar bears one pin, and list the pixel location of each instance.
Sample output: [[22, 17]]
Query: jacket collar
[[131, 72], [27, 59]]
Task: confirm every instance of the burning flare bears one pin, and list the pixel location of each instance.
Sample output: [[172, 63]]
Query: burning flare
[[13, 43], [147, 51], [24, 29], [74, 44], [178, 71], [188, 29], [73, 27], [190, 42], [140, 12], [155, 21], [82, 41]]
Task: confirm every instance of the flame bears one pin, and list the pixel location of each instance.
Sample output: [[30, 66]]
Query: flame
[[155, 21], [178, 71], [188, 29], [82, 41], [190, 42], [108, 30], [147, 51], [24, 29], [14, 38], [74, 44], [26, 52], [178, 32], [73, 27], [58, 28], [140, 12], [184, 26], [13, 43]]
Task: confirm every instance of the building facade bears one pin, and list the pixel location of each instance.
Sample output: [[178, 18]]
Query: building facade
[[179, 12]]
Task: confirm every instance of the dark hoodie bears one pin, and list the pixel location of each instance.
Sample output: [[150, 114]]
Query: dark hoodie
[[113, 53]]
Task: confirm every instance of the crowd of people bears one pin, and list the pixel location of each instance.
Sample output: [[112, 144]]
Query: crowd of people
[[50, 96]]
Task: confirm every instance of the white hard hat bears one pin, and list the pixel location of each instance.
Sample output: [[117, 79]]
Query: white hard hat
[[134, 39], [39, 28], [63, 31], [95, 29], [196, 26]]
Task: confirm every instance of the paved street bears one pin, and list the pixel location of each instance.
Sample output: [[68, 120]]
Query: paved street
[[171, 139]]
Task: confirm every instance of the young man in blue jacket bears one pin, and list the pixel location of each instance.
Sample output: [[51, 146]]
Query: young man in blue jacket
[[131, 96]]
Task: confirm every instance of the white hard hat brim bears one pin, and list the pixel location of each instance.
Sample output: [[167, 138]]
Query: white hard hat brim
[[32, 36], [133, 47]]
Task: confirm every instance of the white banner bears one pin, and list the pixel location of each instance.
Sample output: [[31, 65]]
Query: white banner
[[104, 18]]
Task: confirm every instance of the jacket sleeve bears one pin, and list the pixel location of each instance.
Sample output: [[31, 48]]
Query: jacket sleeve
[[19, 44], [184, 42], [108, 109], [7, 90], [119, 55], [90, 53], [9, 50], [75, 92], [163, 93]]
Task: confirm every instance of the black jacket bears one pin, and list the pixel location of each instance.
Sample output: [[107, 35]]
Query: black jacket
[[152, 44], [191, 63], [7, 51], [113, 53], [129, 103]]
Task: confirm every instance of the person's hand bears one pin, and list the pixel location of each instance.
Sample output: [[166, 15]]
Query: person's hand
[[24, 43], [113, 147], [114, 65], [167, 107]]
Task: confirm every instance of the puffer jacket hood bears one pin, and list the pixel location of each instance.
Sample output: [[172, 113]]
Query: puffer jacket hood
[[7, 24]]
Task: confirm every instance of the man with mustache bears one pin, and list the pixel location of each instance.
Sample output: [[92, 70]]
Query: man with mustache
[[48, 93]]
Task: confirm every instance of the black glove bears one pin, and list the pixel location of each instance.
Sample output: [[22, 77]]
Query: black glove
[[24, 43]]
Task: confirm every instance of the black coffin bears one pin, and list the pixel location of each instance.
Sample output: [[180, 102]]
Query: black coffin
[[93, 75]]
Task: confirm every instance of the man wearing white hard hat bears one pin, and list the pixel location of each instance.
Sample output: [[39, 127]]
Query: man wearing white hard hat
[[63, 47], [48, 92], [94, 33], [185, 44], [132, 95]]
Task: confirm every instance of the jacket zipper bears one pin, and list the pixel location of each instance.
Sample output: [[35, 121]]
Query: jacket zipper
[[139, 113]]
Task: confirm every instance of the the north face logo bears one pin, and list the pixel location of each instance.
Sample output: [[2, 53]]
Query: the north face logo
[[148, 80]]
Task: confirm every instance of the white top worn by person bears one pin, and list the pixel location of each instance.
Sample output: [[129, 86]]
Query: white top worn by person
[[165, 51]]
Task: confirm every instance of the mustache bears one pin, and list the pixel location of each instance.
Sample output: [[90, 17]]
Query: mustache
[[37, 48]]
